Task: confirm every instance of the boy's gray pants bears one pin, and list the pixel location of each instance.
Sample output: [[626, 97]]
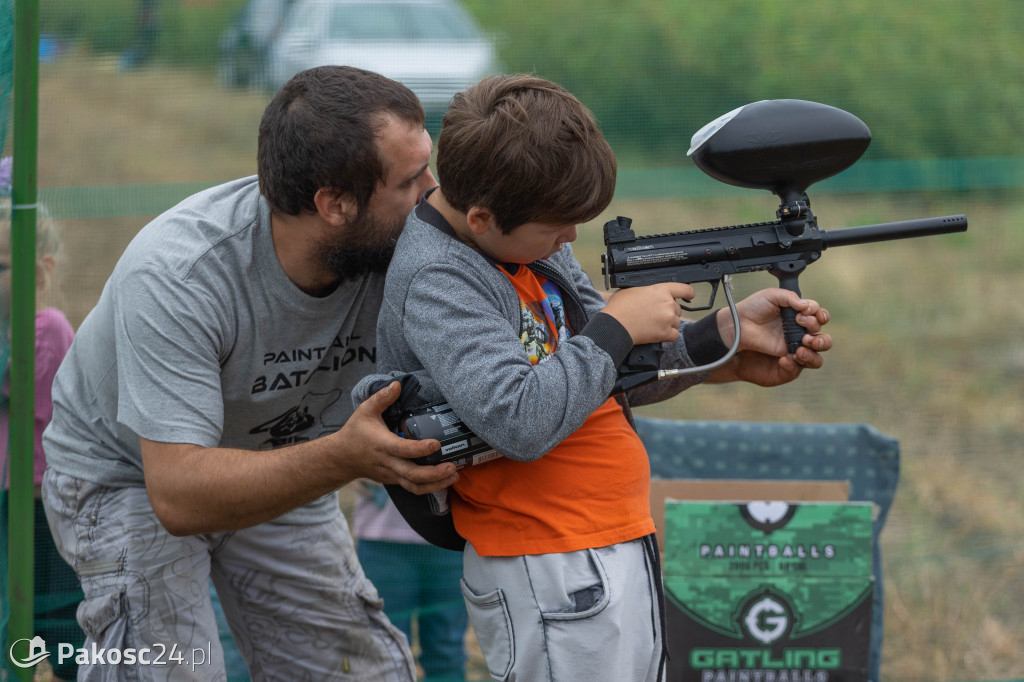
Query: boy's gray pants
[[299, 605], [594, 614]]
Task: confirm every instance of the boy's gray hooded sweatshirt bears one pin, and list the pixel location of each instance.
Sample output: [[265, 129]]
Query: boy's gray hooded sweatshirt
[[452, 318]]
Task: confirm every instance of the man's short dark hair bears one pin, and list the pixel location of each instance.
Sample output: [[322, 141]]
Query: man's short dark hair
[[527, 150], [319, 131]]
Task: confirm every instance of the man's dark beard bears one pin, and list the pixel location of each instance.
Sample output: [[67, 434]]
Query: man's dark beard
[[351, 259]]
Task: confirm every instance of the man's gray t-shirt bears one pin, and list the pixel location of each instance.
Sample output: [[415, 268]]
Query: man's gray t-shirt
[[200, 337]]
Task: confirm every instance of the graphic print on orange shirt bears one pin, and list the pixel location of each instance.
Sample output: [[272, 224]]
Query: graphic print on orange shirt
[[542, 324]]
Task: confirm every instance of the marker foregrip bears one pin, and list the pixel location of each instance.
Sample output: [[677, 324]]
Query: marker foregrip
[[793, 332]]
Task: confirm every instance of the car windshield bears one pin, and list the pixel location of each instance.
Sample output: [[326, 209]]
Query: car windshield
[[400, 22]]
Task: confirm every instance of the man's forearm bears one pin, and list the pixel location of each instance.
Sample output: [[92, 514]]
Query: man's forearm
[[200, 490]]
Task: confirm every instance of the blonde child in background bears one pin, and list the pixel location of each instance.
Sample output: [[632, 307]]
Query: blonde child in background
[[57, 591], [416, 580]]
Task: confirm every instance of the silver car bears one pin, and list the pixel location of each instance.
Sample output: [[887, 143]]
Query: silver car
[[432, 46]]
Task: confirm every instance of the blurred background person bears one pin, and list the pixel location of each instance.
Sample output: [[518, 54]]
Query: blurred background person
[[417, 581], [57, 591]]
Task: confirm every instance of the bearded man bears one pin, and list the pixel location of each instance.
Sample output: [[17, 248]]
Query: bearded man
[[202, 420]]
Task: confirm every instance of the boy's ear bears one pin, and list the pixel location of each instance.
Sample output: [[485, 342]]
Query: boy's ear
[[336, 208], [480, 219]]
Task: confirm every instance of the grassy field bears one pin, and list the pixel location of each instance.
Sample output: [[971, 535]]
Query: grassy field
[[929, 344]]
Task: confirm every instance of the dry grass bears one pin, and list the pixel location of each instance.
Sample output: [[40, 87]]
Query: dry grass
[[929, 345]]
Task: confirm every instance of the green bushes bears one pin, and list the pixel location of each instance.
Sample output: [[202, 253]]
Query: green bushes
[[931, 78], [106, 26], [186, 31]]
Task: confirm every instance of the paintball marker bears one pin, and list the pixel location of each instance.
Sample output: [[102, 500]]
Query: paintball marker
[[783, 146]]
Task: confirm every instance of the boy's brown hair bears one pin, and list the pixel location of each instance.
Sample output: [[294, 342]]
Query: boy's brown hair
[[527, 150]]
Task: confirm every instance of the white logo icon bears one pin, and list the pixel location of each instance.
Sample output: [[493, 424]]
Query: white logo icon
[[36, 652], [766, 620], [768, 512]]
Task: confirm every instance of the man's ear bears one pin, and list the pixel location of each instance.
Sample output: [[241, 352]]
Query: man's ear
[[336, 208], [480, 219]]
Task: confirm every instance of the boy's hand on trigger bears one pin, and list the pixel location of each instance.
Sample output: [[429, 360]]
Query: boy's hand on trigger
[[650, 314]]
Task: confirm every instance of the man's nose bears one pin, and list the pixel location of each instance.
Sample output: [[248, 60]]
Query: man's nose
[[426, 181]]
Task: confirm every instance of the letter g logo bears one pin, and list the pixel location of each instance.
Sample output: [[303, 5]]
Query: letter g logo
[[766, 620]]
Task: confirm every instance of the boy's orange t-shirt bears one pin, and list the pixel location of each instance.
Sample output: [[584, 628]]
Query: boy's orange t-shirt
[[592, 490]]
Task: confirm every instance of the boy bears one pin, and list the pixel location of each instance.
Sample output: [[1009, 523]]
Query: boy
[[486, 306]]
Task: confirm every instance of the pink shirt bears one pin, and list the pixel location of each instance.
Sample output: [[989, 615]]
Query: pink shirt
[[53, 338], [375, 516]]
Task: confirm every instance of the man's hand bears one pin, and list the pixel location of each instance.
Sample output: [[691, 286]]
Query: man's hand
[[382, 456], [762, 357]]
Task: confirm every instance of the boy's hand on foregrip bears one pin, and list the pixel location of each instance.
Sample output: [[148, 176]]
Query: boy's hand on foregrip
[[650, 314]]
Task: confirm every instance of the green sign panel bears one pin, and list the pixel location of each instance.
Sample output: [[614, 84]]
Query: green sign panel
[[768, 591]]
